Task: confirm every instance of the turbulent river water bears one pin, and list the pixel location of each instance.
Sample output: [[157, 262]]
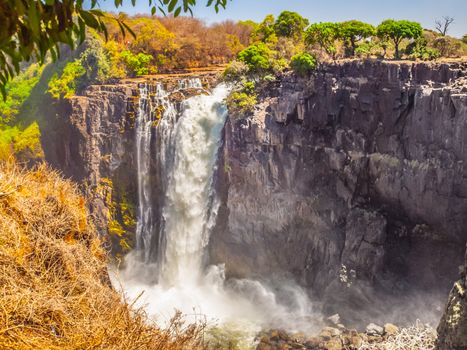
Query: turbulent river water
[[178, 277]]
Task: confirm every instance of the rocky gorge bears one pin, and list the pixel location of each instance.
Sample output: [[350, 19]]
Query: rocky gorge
[[352, 182]]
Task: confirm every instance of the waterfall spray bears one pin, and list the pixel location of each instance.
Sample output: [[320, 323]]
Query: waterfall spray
[[188, 147]]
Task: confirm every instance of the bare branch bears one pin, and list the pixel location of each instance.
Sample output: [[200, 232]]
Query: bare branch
[[442, 26]]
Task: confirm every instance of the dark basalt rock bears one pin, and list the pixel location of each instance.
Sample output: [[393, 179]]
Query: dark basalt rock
[[452, 330], [353, 182]]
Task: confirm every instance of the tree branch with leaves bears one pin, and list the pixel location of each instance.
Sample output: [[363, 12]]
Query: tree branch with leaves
[[34, 29]]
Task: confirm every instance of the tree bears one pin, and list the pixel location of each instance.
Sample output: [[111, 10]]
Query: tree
[[290, 25], [256, 57], [442, 25], [303, 63], [464, 39], [324, 34], [32, 29], [354, 31], [398, 30], [264, 30]]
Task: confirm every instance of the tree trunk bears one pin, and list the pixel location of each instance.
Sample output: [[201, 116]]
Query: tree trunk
[[396, 47]]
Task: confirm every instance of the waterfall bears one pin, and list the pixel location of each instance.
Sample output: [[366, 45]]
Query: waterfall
[[189, 197], [144, 226], [178, 277]]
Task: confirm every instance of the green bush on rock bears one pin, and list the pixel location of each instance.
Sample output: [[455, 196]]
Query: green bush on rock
[[303, 63], [256, 57], [65, 85]]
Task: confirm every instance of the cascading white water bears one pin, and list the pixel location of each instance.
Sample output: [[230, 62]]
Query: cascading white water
[[189, 198], [143, 125], [187, 155]]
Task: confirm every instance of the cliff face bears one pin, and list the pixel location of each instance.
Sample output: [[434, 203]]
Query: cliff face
[[91, 139], [352, 181]]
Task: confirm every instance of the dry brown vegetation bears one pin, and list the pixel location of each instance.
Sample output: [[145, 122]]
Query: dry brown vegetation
[[54, 288], [415, 337], [181, 42]]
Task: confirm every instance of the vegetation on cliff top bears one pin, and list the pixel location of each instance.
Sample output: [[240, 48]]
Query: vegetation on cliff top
[[274, 49], [35, 29], [55, 290]]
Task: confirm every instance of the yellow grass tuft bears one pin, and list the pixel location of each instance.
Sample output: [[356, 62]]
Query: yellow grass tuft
[[54, 287]]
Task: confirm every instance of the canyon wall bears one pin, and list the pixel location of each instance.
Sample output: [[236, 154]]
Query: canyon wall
[[353, 182], [91, 139]]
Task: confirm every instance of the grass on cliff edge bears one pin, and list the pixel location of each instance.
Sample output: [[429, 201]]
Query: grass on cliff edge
[[54, 288]]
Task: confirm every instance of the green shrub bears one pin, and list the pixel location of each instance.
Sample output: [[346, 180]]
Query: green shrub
[[303, 63], [96, 62], [18, 90], [65, 85], [240, 102], [137, 64], [235, 71], [279, 65], [256, 57], [14, 142], [418, 49]]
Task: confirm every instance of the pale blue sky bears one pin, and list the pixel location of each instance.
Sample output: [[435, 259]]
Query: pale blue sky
[[372, 11]]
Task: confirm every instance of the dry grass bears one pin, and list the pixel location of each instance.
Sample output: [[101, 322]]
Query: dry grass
[[416, 337], [54, 288]]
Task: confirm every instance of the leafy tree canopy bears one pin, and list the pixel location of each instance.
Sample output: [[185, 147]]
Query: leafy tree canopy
[[33, 28], [256, 57], [290, 24], [353, 31], [324, 34], [398, 30], [264, 30], [303, 63]]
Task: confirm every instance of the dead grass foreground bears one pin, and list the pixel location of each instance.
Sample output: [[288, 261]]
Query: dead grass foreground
[[54, 288]]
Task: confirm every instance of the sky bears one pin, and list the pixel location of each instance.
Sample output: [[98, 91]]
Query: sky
[[371, 11]]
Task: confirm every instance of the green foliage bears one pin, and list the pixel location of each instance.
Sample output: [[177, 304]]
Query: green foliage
[[303, 63], [418, 49], [290, 24], [244, 100], [34, 28], [137, 64], [240, 102], [95, 62], [256, 57], [65, 85], [398, 30], [368, 48], [323, 34], [18, 90], [265, 30], [29, 140], [464, 39], [351, 32], [17, 142]]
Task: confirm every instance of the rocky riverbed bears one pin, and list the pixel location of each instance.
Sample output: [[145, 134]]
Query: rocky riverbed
[[338, 337]]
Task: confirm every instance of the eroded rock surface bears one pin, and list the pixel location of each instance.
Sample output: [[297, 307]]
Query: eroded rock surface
[[353, 182], [452, 330]]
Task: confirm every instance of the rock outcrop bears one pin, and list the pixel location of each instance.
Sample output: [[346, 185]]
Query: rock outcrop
[[452, 330], [353, 182]]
